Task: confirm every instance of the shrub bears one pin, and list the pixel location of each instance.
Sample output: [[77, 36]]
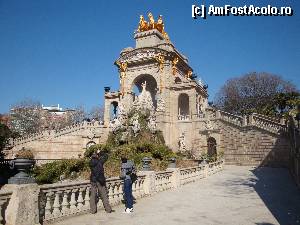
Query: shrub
[[25, 154], [51, 172]]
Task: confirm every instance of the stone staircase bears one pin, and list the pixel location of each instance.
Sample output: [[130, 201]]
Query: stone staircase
[[53, 133]]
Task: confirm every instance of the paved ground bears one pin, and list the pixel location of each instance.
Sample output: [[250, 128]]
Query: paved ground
[[235, 196]]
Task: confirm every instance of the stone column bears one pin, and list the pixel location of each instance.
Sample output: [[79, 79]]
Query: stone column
[[244, 120], [106, 112], [251, 121], [23, 207]]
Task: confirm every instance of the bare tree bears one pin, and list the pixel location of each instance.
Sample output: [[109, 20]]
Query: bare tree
[[26, 117], [251, 92], [78, 115], [97, 113]]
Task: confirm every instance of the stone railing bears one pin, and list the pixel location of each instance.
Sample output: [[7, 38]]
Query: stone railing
[[163, 181], [4, 200], [273, 125], [230, 118], [191, 174], [48, 133], [266, 124], [200, 116], [214, 167], [58, 201], [54, 202], [184, 117]]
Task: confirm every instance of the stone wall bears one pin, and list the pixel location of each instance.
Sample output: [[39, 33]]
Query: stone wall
[[69, 142], [253, 146]]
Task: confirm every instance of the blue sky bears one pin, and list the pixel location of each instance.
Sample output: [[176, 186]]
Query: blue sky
[[62, 51]]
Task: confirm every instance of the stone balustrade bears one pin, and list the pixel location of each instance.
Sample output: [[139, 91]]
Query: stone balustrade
[[266, 124], [191, 174], [4, 200], [270, 124], [184, 117], [214, 167], [231, 118], [47, 133], [61, 200], [163, 181]]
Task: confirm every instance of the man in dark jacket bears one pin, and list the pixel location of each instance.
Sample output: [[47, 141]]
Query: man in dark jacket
[[98, 183], [127, 168]]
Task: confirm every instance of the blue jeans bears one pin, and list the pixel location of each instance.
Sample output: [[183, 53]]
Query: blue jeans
[[128, 193]]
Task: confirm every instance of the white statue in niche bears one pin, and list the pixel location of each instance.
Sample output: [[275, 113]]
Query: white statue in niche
[[152, 123], [181, 142], [136, 127], [144, 100]]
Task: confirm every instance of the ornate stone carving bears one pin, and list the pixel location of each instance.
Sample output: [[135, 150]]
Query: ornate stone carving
[[174, 63], [152, 125], [208, 125], [161, 60], [189, 74], [161, 105]]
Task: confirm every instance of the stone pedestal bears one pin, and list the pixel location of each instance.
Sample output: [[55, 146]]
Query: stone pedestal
[[23, 207], [149, 184], [175, 179]]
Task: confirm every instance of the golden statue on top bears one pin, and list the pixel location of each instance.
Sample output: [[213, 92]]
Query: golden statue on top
[[143, 24], [152, 23], [159, 25]]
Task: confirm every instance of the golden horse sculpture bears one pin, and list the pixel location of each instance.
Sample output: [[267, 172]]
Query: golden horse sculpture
[[159, 25]]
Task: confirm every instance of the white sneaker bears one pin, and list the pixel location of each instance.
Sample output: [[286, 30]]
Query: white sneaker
[[128, 210]]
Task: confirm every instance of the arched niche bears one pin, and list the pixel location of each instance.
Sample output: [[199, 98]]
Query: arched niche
[[151, 86], [211, 147], [183, 104], [113, 110]]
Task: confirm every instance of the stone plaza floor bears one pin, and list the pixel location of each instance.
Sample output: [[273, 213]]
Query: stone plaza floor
[[236, 196]]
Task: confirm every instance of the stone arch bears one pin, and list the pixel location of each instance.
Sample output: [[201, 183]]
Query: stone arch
[[89, 144], [114, 109], [183, 104], [211, 147], [152, 86]]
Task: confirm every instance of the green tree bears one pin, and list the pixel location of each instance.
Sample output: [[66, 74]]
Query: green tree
[[5, 134]]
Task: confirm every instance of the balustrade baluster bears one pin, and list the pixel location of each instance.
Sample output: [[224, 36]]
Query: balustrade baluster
[[56, 205], [73, 201], [65, 204], [109, 188], [138, 191], [48, 206], [120, 192], [80, 200], [87, 198]]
